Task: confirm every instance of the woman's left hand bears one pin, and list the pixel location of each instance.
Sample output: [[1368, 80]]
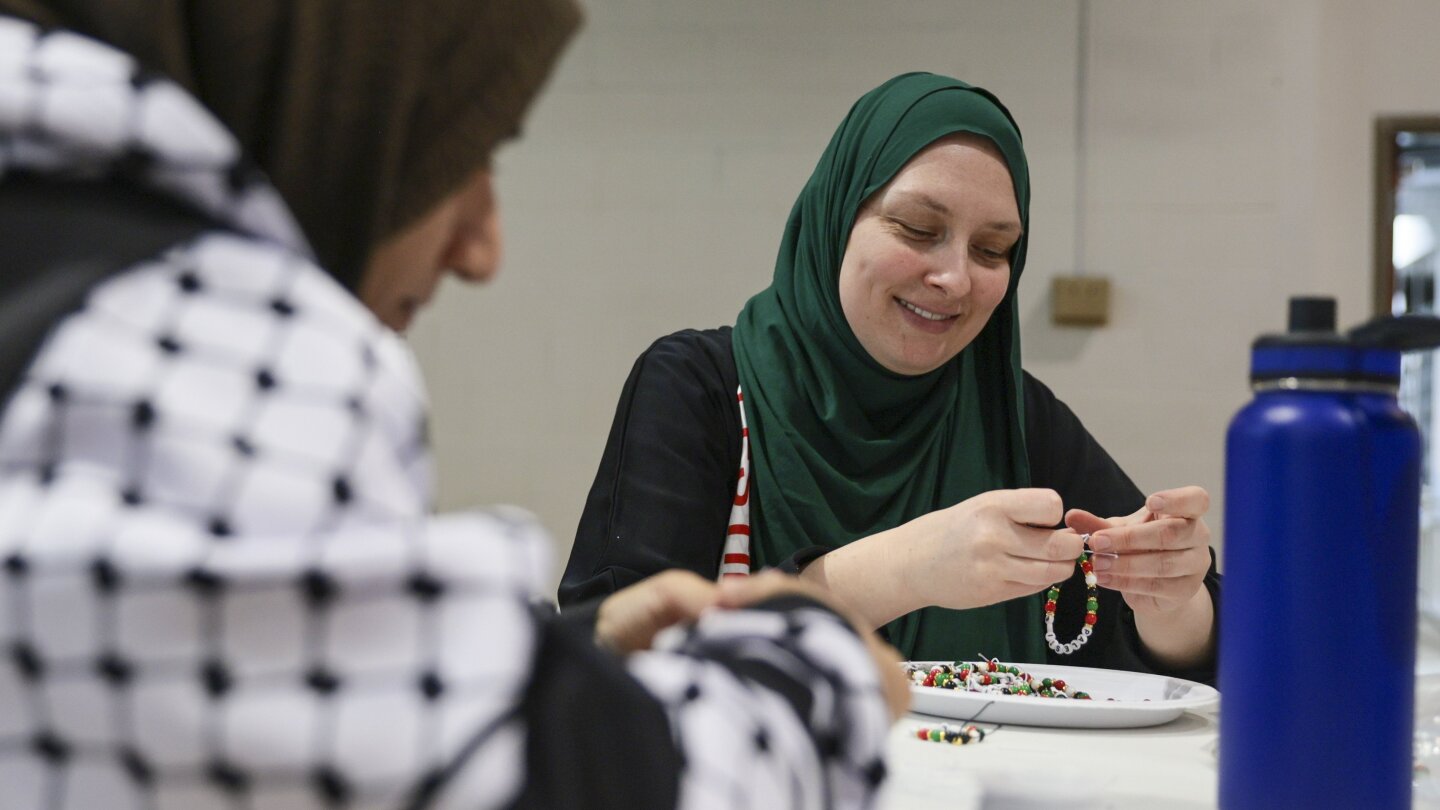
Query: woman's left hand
[[1164, 549]]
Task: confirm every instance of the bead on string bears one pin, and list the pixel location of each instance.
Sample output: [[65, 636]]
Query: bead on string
[[955, 735], [1092, 606]]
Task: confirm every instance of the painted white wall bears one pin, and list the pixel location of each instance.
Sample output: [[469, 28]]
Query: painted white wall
[[1229, 162]]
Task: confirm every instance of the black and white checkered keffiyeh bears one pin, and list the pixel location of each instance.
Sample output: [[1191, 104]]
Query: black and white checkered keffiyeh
[[221, 584]]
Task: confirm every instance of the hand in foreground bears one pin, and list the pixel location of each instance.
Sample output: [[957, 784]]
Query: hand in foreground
[[741, 592], [1164, 549], [629, 618], [989, 548]]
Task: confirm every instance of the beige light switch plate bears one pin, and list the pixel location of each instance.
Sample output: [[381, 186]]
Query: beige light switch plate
[[1080, 300]]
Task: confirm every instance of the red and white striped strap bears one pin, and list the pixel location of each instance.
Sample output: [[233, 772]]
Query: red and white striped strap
[[735, 560]]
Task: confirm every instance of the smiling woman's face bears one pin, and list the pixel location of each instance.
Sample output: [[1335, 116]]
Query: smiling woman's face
[[928, 259]]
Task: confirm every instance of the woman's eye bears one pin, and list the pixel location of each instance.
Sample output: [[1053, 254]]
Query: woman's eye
[[913, 232], [993, 254]]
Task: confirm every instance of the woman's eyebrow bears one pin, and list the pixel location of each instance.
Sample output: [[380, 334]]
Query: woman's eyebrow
[[925, 200], [1002, 227]]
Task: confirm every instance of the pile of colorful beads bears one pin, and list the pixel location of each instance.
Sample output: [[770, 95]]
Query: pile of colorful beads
[[990, 677], [955, 735]]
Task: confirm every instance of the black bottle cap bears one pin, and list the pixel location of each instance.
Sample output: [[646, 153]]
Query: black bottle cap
[[1312, 314], [1311, 323]]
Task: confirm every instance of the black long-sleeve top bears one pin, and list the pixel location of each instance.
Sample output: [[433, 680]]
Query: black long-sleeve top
[[662, 496]]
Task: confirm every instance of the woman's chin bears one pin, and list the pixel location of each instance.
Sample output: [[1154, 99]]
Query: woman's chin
[[913, 365]]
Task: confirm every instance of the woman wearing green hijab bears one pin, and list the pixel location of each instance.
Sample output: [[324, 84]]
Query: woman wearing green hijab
[[888, 442]]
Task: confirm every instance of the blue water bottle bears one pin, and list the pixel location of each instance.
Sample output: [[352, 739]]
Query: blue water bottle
[[1318, 615]]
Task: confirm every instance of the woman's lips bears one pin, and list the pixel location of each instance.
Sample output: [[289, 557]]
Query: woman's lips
[[926, 320]]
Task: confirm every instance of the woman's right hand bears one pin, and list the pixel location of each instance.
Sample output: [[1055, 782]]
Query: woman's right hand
[[984, 550], [629, 619], [995, 546]]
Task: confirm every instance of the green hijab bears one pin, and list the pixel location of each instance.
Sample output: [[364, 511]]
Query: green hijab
[[844, 448]]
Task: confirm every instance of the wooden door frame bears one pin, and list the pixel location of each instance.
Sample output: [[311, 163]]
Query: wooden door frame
[[1386, 168]]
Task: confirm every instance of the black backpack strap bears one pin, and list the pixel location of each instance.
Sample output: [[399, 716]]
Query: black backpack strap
[[60, 238]]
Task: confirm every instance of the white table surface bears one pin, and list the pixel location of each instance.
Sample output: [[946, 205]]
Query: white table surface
[[1169, 766], [1165, 767]]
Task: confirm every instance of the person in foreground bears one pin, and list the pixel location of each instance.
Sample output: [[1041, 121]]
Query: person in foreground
[[220, 583], [868, 423]]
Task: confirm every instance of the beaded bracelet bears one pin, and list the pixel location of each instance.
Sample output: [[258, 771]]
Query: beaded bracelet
[[955, 735], [1092, 606]]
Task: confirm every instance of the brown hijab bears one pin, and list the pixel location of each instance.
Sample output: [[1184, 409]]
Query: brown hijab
[[364, 113]]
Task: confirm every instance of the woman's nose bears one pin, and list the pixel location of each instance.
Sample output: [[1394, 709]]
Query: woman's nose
[[478, 245], [479, 249], [951, 276]]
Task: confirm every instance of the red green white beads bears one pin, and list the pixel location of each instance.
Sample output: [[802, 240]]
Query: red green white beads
[[990, 677], [1092, 605], [955, 735]]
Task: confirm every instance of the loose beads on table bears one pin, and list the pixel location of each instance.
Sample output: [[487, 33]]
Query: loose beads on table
[[955, 735], [1092, 606], [990, 677]]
